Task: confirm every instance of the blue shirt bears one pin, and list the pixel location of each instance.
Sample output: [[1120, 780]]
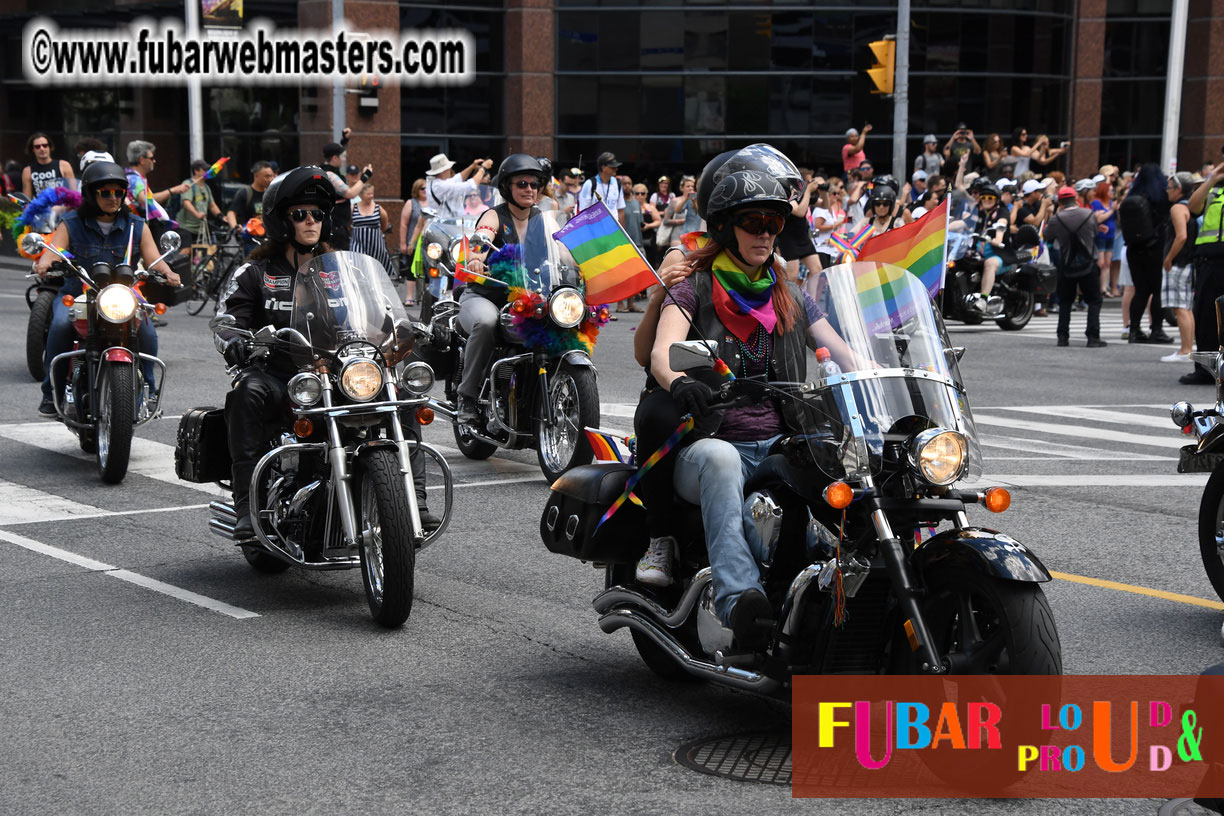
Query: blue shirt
[[89, 245]]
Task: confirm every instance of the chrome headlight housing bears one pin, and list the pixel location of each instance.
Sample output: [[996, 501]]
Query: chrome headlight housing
[[417, 377], [566, 308], [116, 303], [433, 250], [939, 456], [1182, 414], [305, 389], [361, 379]]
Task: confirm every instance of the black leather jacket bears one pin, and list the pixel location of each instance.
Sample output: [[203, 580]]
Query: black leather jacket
[[258, 294]]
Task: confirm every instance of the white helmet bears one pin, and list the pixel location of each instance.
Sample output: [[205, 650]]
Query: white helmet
[[95, 156]]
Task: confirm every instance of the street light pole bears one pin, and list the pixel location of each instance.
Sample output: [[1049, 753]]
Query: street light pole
[[901, 90], [338, 101], [195, 94], [1173, 90]]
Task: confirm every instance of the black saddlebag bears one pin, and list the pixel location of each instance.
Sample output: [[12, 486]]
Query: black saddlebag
[[201, 453], [576, 504]]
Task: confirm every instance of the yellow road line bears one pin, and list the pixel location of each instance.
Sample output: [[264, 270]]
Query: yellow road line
[[1138, 590]]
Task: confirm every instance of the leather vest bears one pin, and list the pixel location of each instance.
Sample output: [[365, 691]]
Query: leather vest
[[505, 235], [89, 246]]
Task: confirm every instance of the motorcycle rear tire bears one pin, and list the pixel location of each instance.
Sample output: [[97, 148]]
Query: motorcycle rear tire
[[115, 422], [572, 391], [1210, 532], [36, 334], [471, 447], [263, 562], [1017, 310], [386, 538]]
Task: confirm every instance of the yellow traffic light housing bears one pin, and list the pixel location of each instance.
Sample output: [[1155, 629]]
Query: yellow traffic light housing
[[882, 73]]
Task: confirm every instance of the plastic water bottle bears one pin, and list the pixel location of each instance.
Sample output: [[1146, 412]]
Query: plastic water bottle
[[825, 363]]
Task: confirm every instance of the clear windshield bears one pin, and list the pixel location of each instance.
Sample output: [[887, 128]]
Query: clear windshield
[[899, 374], [474, 203], [548, 264], [343, 297]]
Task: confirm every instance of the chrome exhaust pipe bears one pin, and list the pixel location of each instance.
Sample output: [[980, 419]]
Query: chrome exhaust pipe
[[619, 596], [223, 510], [225, 529], [725, 675]]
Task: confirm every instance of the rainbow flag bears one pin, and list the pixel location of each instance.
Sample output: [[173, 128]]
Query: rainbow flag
[[850, 246], [888, 296], [216, 167], [918, 246], [610, 264], [607, 447]]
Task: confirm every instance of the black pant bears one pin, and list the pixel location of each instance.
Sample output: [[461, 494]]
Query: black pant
[[1147, 273], [1208, 285], [655, 419], [1089, 287]]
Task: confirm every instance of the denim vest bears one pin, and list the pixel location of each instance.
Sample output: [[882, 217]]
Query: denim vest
[[89, 246]]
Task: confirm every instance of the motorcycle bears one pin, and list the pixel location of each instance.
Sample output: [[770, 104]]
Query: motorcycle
[[835, 516], [440, 248], [1017, 283], [105, 397], [336, 489], [541, 389], [40, 296], [1206, 455]]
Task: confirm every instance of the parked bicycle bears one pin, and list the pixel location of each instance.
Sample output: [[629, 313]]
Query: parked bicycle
[[210, 271]]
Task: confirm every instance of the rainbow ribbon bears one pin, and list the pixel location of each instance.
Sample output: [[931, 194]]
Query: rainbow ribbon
[[723, 370], [216, 167], [850, 246], [664, 449]]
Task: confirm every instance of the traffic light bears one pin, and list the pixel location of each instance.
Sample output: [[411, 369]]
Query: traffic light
[[367, 101], [885, 52]]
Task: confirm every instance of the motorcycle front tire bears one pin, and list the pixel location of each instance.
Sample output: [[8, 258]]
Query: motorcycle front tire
[[115, 421], [384, 524], [36, 334], [1211, 530], [574, 398]]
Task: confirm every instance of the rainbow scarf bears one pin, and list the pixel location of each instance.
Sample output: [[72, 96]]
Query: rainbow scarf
[[743, 301]]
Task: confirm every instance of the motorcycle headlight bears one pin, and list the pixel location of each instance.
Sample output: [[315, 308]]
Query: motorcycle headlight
[[938, 456], [566, 308], [433, 250], [417, 377], [361, 379], [117, 303], [1182, 414], [305, 389]]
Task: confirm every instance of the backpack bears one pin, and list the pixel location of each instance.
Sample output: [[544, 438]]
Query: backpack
[[1137, 222], [1075, 260]]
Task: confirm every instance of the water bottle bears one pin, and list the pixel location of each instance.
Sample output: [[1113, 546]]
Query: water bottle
[[831, 397], [826, 365]]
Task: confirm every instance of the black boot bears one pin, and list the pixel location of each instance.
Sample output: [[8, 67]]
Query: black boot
[[1136, 336]]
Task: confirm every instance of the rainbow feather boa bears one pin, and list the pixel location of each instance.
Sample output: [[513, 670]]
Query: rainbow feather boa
[[42, 204]]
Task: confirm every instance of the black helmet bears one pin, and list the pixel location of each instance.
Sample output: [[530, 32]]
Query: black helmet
[[301, 185], [745, 188], [881, 193], [987, 189], [513, 165], [766, 159], [981, 182], [547, 166], [99, 173], [705, 184], [886, 181]]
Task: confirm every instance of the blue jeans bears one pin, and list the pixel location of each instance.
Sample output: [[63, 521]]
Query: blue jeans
[[61, 335], [711, 473]]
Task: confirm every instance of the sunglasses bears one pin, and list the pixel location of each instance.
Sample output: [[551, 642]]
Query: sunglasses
[[639, 194], [111, 193], [757, 223], [42, 146], [299, 215], [989, 198], [524, 184]]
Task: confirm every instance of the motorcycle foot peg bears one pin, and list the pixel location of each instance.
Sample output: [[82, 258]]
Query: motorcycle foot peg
[[737, 660]]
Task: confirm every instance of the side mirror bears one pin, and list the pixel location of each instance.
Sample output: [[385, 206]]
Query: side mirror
[[223, 321], [689, 354], [170, 242], [956, 352], [33, 243], [429, 212]]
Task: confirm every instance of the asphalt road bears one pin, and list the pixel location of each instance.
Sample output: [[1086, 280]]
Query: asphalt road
[[501, 694]]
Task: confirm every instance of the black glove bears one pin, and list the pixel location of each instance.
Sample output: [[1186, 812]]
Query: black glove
[[236, 352], [692, 396]]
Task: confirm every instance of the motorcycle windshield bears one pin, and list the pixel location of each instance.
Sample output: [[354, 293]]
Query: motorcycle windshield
[[547, 263], [344, 297], [474, 204], [899, 373]]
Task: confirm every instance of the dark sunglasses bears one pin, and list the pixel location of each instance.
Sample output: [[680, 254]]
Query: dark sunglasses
[[111, 193], [989, 198], [524, 184], [40, 146], [299, 215], [756, 223]]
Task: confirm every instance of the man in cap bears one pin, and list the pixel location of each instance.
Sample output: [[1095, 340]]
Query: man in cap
[[852, 151], [606, 186], [930, 161], [446, 190], [334, 157], [962, 143], [918, 185], [1073, 231], [1036, 203]]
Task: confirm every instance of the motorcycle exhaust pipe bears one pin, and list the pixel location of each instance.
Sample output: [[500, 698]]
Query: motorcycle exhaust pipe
[[725, 675], [618, 596], [221, 528], [223, 511]]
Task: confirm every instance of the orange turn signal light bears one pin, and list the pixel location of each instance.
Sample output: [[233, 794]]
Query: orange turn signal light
[[838, 495], [425, 416], [303, 428], [160, 308], [997, 499], [433, 272], [68, 300]]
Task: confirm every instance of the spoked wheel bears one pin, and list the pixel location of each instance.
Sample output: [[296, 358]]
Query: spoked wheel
[[201, 290], [116, 420], [36, 334], [991, 626], [384, 526], [1017, 310], [1211, 530], [574, 400]]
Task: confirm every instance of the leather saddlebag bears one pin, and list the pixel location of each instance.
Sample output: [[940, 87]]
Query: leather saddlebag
[[576, 504], [201, 453]]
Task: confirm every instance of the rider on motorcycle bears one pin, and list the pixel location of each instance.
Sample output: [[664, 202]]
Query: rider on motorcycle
[[763, 326], [98, 232], [296, 214], [992, 223], [519, 179]]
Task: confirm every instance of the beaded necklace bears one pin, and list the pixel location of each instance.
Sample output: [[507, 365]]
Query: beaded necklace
[[761, 341]]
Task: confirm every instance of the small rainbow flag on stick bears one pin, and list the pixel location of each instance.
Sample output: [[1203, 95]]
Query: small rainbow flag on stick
[[216, 167], [606, 446], [850, 246], [612, 266], [918, 246]]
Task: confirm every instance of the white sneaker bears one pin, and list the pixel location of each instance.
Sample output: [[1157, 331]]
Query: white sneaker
[[655, 567], [976, 303], [1175, 357]]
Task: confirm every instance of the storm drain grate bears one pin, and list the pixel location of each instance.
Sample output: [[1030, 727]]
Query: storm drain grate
[[745, 757]]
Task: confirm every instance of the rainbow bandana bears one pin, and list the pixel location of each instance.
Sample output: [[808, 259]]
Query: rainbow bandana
[[743, 301]]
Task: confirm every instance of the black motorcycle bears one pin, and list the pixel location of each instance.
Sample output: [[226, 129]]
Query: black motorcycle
[[541, 390], [1019, 282], [336, 489], [105, 396], [844, 517], [40, 297]]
